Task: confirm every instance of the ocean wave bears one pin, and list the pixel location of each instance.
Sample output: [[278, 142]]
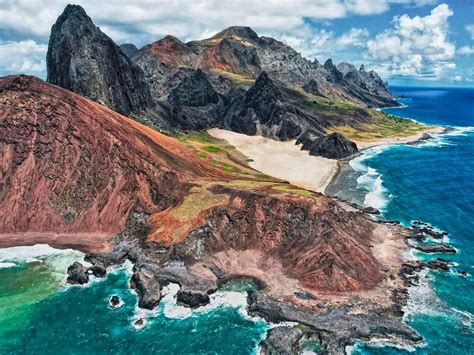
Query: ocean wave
[[443, 139], [5, 265], [370, 179]]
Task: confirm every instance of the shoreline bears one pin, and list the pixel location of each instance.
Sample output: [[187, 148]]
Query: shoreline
[[282, 160]]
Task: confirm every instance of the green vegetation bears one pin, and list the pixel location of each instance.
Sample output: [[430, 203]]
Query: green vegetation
[[263, 176], [195, 202], [201, 154], [293, 190], [212, 149]]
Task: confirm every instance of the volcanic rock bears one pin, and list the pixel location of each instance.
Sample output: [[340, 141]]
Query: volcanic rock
[[333, 146], [436, 248], [371, 210], [148, 288], [77, 274], [192, 298], [97, 270], [115, 301], [282, 340], [83, 59]]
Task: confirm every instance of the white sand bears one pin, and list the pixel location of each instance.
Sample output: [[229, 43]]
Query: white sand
[[283, 160]]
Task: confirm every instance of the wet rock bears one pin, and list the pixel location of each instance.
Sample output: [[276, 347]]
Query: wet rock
[[115, 301], [139, 324], [192, 298], [436, 248], [77, 274], [371, 210], [106, 259], [148, 288], [282, 340], [439, 264], [97, 270]]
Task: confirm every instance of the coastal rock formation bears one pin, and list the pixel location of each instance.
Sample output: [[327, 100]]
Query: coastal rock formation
[[73, 168], [192, 299], [148, 288], [436, 248], [77, 274], [333, 146], [83, 59]]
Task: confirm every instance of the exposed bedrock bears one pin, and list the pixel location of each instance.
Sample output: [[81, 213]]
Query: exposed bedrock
[[83, 59], [337, 327], [192, 298], [282, 340], [147, 285], [436, 248]]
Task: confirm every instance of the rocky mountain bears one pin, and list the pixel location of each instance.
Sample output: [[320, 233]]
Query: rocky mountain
[[83, 59], [234, 80], [332, 146]]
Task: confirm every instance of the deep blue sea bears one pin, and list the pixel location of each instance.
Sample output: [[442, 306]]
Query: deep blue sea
[[432, 182]]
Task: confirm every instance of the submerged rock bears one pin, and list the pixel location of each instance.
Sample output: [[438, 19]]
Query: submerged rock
[[148, 288], [139, 324], [115, 302], [333, 146], [77, 274]]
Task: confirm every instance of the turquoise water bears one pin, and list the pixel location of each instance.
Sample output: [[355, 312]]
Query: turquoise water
[[78, 320], [432, 182]]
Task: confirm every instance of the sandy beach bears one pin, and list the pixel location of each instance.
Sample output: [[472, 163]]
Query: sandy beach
[[399, 140], [283, 160]]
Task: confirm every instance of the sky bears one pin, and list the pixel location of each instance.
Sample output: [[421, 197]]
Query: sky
[[408, 42]]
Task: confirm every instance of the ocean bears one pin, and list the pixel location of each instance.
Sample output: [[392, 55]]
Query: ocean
[[432, 182]]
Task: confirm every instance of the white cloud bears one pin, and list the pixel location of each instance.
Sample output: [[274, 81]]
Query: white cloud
[[23, 57], [415, 46], [466, 50], [470, 30]]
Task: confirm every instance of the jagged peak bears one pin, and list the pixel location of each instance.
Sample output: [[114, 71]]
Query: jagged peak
[[74, 11], [328, 64], [362, 67], [264, 85], [243, 32]]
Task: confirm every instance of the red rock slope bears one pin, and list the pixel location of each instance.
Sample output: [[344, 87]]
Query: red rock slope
[[69, 165]]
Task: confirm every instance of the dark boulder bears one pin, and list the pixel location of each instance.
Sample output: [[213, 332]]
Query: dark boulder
[[333, 146], [307, 138], [371, 210], [192, 298], [77, 274], [97, 270], [83, 59], [115, 301], [148, 288]]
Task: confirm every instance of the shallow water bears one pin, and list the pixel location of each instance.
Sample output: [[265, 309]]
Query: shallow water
[[39, 314]]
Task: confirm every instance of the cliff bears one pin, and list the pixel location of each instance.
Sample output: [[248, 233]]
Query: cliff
[[83, 59]]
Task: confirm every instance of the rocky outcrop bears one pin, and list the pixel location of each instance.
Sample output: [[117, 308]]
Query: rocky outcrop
[[77, 274], [83, 59], [263, 110], [194, 103], [148, 288], [436, 248], [282, 340], [333, 146], [192, 298]]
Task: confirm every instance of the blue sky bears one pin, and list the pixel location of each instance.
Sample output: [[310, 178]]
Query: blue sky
[[409, 42]]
